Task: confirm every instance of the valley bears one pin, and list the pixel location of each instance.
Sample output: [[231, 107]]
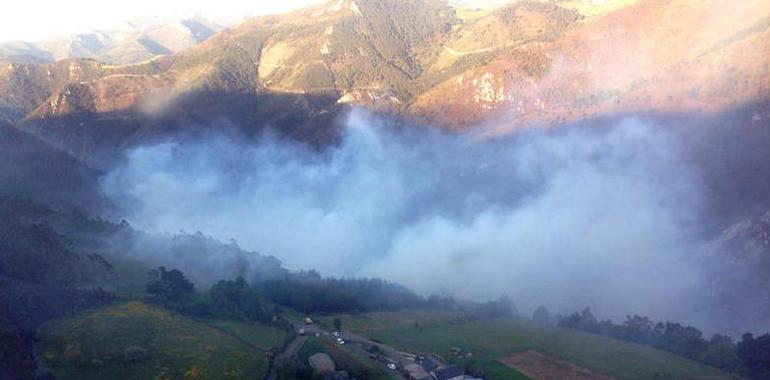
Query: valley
[[391, 189]]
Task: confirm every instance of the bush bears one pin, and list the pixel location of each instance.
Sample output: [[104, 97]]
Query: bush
[[135, 354]]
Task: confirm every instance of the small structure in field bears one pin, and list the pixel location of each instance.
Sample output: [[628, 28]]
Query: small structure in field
[[308, 321], [322, 363]]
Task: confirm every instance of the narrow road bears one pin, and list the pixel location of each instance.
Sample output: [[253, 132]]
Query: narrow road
[[293, 348], [355, 347]]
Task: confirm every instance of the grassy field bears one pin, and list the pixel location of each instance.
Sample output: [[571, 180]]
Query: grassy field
[[490, 340], [364, 323], [260, 336], [94, 345]]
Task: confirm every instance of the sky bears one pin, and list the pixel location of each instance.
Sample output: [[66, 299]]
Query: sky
[[34, 20]]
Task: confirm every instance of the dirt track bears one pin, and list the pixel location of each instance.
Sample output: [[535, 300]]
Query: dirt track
[[541, 367]]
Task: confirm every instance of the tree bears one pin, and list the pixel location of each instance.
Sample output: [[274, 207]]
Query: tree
[[503, 307], [506, 304], [721, 353], [234, 300], [171, 289], [755, 355], [337, 324], [542, 316], [584, 320]]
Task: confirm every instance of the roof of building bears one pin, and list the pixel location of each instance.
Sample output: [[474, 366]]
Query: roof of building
[[429, 364], [445, 373], [416, 372]]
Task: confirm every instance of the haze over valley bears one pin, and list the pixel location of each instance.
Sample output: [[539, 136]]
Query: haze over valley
[[411, 170]]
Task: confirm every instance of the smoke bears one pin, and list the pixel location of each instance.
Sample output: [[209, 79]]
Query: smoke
[[600, 216]]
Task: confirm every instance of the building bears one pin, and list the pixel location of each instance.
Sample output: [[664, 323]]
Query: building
[[448, 373], [429, 363], [415, 372]]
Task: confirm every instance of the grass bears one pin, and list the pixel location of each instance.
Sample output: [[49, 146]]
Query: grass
[[493, 369], [596, 9], [261, 336], [311, 347], [378, 321], [92, 345], [489, 340]]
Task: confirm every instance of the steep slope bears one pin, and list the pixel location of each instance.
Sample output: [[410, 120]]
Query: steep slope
[[31, 168], [653, 56], [522, 63], [346, 49]]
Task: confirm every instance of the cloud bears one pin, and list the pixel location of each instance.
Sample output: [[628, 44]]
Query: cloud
[[600, 216]]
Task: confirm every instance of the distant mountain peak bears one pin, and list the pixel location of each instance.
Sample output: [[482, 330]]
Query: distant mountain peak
[[132, 44]]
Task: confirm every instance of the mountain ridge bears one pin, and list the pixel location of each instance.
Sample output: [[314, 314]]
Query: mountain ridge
[[529, 62], [130, 45]]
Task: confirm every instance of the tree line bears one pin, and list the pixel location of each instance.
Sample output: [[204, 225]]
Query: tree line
[[304, 291], [749, 357]]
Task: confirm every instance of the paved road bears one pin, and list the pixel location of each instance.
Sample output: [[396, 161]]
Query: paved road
[[355, 346], [290, 351], [293, 348]]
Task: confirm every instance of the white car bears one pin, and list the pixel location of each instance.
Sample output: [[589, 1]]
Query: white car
[[340, 341], [392, 366]]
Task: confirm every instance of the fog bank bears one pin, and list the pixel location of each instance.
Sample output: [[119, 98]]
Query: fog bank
[[600, 216]]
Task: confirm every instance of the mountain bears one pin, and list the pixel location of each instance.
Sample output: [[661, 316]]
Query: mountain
[[33, 169], [130, 45], [653, 56], [527, 62]]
